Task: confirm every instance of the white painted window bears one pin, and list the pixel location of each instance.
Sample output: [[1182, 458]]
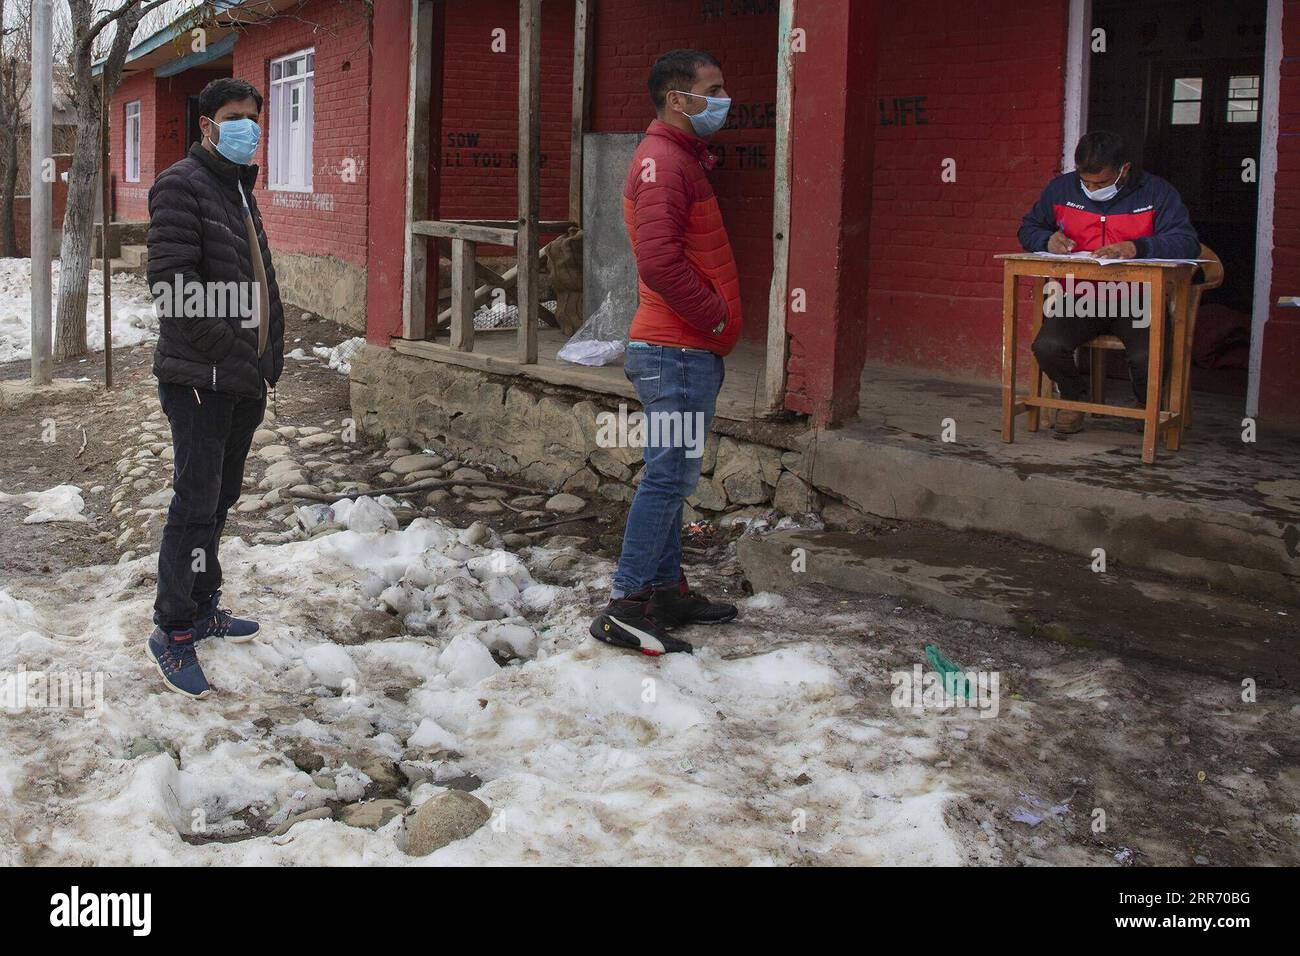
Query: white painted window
[[1243, 99], [1186, 108], [293, 84], [133, 142]]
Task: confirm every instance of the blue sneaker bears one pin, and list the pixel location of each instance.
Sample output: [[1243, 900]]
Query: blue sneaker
[[214, 621], [173, 654]]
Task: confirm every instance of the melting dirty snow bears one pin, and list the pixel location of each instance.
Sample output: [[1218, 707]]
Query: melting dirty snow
[[134, 319], [60, 503], [587, 754]]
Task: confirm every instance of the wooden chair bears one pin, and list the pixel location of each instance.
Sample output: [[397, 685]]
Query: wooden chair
[[1211, 277]]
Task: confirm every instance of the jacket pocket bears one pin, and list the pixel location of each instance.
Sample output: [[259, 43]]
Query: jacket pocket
[[726, 305]]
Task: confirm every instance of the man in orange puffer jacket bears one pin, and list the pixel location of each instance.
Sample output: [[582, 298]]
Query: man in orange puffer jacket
[[687, 320]]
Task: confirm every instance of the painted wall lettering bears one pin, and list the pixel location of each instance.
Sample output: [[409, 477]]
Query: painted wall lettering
[[751, 116], [718, 9], [903, 111], [740, 156]]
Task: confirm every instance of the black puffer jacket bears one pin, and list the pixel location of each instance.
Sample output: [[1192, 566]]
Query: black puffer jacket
[[196, 231]]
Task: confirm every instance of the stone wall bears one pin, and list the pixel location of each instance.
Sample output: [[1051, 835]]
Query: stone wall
[[327, 286], [547, 436]]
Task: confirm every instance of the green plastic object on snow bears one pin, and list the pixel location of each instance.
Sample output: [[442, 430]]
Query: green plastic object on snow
[[954, 678]]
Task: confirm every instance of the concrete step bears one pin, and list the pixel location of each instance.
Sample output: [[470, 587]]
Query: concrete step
[[131, 233], [116, 266], [1042, 592], [136, 255], [123, 233]]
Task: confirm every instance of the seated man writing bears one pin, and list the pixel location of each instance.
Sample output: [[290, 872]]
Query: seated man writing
[[1113, 211]]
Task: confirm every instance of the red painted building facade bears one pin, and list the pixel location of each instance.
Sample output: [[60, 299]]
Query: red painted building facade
[[895, 264], [319, 215], [330, 218], [162, 118]]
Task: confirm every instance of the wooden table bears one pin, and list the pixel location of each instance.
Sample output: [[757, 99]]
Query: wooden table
[[1168, 281]]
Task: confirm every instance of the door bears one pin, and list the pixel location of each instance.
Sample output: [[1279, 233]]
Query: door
[[1181, 80], [193, 133], [1205, 132]]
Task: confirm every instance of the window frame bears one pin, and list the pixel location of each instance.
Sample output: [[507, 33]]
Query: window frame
[[1177, 101], [131, 142], [1230, 115], [280, 90]]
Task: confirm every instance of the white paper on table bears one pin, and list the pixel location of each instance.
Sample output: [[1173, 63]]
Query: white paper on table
[[1088, 257]]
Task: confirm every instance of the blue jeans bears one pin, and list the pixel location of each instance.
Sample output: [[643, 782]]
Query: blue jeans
[[678, 389]]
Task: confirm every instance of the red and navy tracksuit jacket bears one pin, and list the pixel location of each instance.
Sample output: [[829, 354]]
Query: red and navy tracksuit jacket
[[1147, 211]]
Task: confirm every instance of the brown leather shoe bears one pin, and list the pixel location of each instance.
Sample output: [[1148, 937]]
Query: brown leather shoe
[[1068, 422]]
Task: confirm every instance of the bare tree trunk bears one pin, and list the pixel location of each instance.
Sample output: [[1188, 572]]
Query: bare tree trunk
[[8, 191], [78, 228], [79, 217], [15, 47]]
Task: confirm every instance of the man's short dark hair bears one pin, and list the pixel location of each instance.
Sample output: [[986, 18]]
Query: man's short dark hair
[[676, 70], [1098, 150], [226, 90]]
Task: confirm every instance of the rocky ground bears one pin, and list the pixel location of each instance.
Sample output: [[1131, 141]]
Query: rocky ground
[[425, 689]]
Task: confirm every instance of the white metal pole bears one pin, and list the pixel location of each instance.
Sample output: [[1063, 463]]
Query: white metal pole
[[41, 189], [1270, 94], [1078, 58]]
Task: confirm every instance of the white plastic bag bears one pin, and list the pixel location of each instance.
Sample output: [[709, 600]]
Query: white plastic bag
[[590, 352]]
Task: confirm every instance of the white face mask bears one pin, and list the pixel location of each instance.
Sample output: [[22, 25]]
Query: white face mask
[[1105, 192]]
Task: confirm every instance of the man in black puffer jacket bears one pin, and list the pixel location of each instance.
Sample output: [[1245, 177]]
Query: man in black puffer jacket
[[220, 347]]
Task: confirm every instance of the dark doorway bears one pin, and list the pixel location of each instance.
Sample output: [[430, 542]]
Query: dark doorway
[[1181, 81], [192, 132]]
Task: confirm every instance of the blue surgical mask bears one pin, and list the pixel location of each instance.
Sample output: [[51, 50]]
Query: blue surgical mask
[[238, 140], [712, 118], [1105, 192]]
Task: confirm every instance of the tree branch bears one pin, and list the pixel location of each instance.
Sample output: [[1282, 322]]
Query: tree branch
[[104, 21]]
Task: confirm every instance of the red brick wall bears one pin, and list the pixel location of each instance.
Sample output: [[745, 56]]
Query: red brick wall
[[992, 78], [479, 138], [480, 109], [58, 206], [171, 94], [742, 34], [330, 220], [162, 133], [1279, 395], [131, 200], [23, 225]]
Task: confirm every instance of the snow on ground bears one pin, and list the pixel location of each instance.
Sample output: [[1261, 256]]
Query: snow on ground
[[338, 357], [134, 320], [60, 503], [587, 754]]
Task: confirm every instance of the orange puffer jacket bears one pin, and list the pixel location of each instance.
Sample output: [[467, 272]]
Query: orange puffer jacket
[[688, 280]]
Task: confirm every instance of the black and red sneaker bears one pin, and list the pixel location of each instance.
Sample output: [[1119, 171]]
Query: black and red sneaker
[[627, 622], [676, 605]]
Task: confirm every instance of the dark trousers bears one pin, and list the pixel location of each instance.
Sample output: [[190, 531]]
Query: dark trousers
[[1061, 336], [211, 435]]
